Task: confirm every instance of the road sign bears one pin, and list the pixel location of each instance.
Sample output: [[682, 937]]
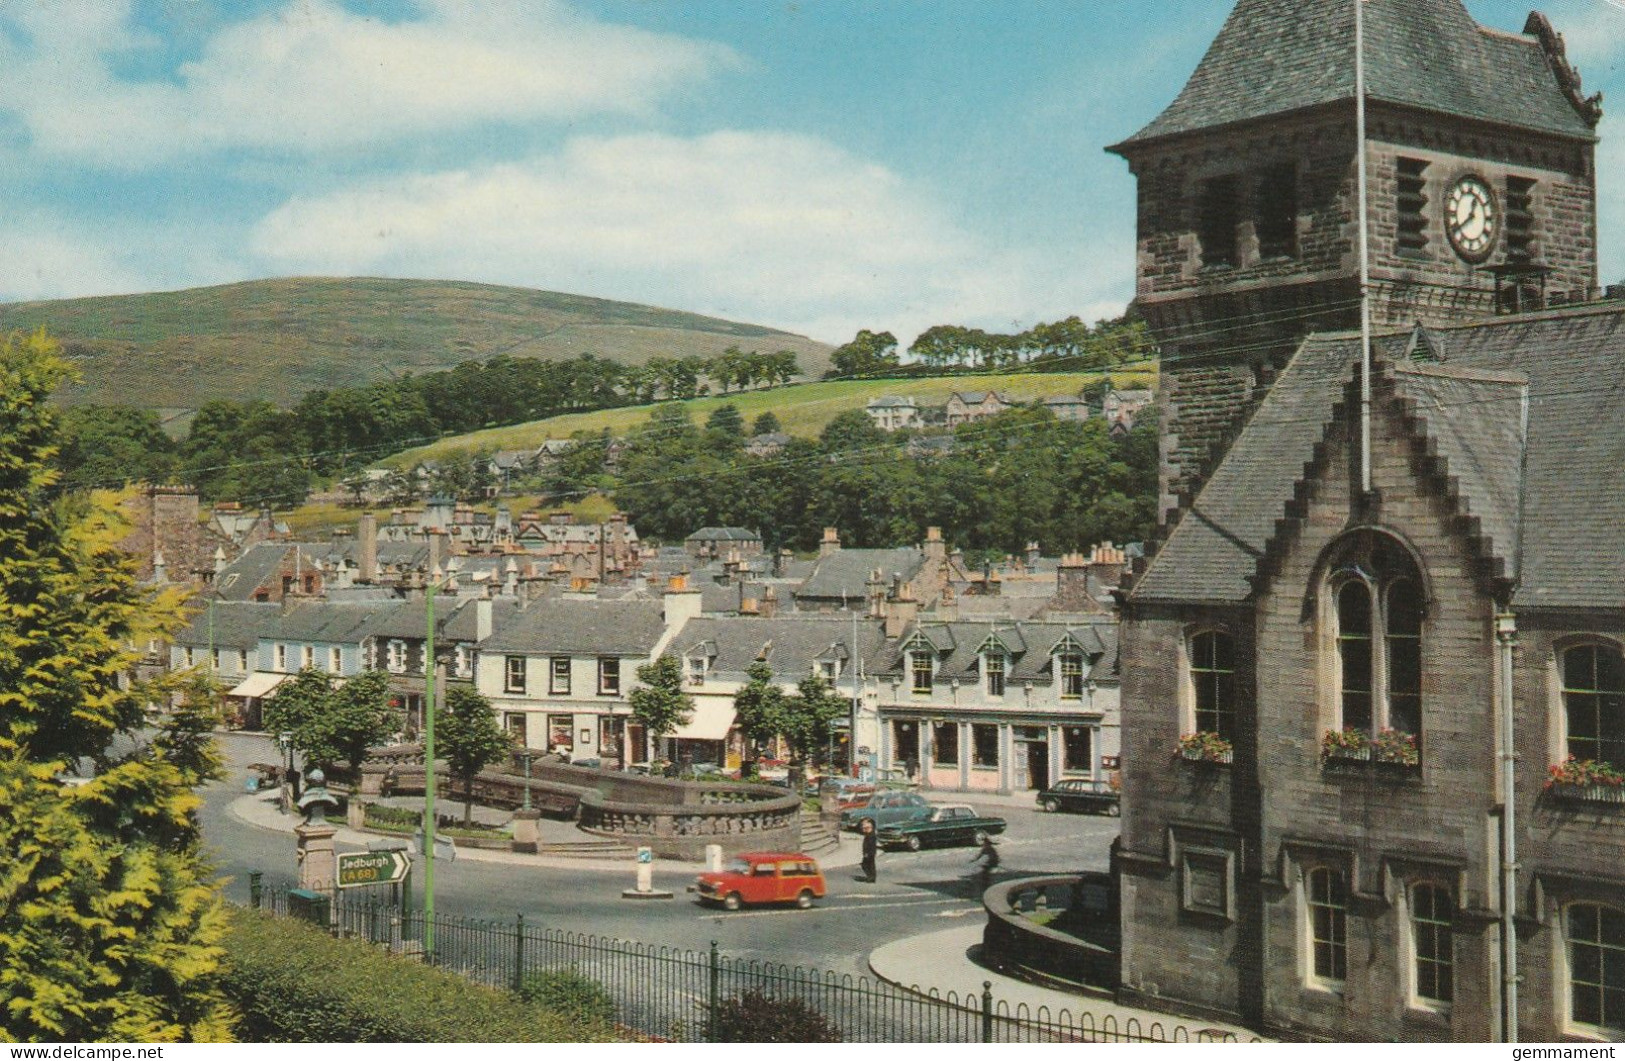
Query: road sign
[[646, 854], [360, 868]]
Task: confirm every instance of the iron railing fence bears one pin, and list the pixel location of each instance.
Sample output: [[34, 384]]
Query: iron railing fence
[[671, 993]]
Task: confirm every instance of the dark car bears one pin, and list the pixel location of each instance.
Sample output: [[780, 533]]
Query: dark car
[[1089, 797], [885, 808], [953, 825]]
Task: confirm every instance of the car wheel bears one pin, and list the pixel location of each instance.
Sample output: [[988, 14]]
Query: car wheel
[[731, 901], [914, 843], [980, 838], [804, 900], [1052, 805], [1114, 811]]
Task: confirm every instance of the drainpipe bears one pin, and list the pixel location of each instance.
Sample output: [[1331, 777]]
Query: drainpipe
[[1506, 637]]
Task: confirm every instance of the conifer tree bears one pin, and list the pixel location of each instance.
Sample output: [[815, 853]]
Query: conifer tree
[[109, 926]]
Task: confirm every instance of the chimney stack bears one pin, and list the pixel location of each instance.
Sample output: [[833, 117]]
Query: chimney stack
[[367, 561], [831, 542], [901, 609], [934, 547]]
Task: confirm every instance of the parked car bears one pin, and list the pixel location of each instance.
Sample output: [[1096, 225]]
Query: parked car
[[1092, 797], [845, 793], [948, 826], [884, 808], [769, 877]]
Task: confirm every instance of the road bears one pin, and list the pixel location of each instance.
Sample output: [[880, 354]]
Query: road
[[916, 892]]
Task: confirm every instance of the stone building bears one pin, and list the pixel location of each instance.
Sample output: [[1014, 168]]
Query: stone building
[[1317, 677], [1247, 220]]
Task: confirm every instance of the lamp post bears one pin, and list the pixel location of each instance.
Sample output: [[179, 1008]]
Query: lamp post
[[285, 742], [429, 821], [525, 755]]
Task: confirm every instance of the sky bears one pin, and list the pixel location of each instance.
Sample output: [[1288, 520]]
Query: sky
[[818, 166]]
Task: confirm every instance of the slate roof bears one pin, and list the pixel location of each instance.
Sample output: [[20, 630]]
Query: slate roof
[[323, 622], [789, 645], [892, 401], [846, 572], [724, 534], [1552, 510], [1277, 56], [454, 619], [582, 627], [238, 580], [237, 624], [1030, 646]]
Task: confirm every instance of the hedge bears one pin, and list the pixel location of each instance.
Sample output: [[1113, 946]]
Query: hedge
[[294, 983]]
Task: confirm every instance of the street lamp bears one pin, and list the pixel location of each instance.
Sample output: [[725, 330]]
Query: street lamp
[[284, 741], [525, 755]]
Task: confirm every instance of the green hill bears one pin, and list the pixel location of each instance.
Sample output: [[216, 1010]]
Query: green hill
[[802, 409], [277, 339]]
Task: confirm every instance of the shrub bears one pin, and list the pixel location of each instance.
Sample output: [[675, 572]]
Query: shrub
[[755, 1017], [569, 994], [294, 983]]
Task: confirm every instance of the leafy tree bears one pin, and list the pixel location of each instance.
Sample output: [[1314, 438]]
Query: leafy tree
[[808, 723], [759, 705], [868, 354], [334, 725], [185, 737], [726, 419], [109, 929], [766, 424], [109, 445], [853, 429], [659, 702], [468, 735]]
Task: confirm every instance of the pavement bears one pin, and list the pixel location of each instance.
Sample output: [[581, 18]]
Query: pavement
[[941, 963]]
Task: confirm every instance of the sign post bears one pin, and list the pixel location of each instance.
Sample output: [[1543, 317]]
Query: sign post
[[359, 869]]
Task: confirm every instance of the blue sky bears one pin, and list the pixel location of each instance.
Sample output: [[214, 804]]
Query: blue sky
[[819, 165]]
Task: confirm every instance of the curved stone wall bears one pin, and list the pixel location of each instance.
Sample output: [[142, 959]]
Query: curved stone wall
[[1085, 956], [739, 818]]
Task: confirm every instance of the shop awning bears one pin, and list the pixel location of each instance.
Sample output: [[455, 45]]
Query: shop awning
[[257, 685], [712, 721]]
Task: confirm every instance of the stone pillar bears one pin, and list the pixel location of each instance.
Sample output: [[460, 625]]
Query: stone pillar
[[526, 833], [318, 862]]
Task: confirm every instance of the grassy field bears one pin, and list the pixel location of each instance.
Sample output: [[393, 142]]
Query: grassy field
[[803, 409], [277, 339]]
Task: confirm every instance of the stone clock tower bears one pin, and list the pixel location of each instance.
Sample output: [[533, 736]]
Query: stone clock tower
[[1481, 156]]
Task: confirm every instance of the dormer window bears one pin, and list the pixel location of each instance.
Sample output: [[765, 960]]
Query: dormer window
[[397, 656], [1071, 668], [994, 670], [829, 670], [696, 670], [923, 669]]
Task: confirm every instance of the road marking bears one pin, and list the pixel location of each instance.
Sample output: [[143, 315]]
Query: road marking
[[827, 909], [958, 913]]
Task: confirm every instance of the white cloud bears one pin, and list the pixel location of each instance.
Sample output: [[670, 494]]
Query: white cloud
[[313, 77], [771, 228], [47, 257]]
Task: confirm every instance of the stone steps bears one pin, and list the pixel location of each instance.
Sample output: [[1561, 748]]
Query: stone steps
[[816, 836]]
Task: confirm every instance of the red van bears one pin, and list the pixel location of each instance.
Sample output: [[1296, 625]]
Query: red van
[[768, 877]]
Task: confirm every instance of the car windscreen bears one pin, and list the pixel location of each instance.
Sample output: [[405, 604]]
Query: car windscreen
[[739, 865]]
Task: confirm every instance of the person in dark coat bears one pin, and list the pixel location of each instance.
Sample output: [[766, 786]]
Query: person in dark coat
[[871, 846], [989, 857]]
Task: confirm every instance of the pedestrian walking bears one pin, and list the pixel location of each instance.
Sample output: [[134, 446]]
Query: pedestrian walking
[[871, 847], [989, 857]]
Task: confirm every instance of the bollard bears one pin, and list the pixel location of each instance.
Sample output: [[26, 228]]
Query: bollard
[[713, 858], [987, 1011], [254, 889]]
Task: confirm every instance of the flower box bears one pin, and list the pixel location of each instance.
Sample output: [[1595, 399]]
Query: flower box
[[1586, 793], [1390, 749], [1205, 748]]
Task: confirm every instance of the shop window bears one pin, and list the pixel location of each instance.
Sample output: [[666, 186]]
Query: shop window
[[906, 745], [945, 743], [984, 745], [1078, 745]]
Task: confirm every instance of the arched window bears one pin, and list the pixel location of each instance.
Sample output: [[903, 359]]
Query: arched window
[[1328, 901], [1377, 607], [1433, 912], [1596, 957], [1213, 680], [1594, 703]]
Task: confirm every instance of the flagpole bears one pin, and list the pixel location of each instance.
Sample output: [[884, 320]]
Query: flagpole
[[1363, 195]]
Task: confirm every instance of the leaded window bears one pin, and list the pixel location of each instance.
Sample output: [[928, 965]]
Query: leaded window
[[1378, 607], [921, 666], [1328, 924], [995, 673], [1071, 676], [1433, 912], [1213, 679], [1594, 703]]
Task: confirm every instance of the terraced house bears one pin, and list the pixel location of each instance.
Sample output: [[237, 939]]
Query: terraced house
[[1374, 691]]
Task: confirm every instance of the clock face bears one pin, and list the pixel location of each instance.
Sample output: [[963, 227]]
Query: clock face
[[1470, 218]]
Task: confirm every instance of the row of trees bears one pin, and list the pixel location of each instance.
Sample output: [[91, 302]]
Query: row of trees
[[256, 452], [1069, 345], [1007, 480]]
